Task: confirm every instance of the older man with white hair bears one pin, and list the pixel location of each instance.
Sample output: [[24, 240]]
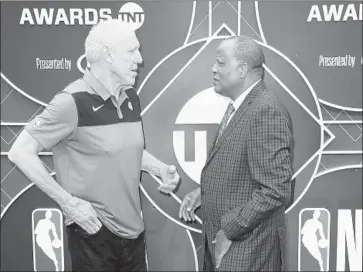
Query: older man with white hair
[[94, 129]]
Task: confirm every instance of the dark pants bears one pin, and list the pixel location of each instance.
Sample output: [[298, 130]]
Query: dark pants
[[208, 261], [105, 251]]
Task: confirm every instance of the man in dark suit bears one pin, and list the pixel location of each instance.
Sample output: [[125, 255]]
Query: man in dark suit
[[246, 181]]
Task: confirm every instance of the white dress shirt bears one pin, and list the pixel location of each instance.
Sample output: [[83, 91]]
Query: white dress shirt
[[238, 102]]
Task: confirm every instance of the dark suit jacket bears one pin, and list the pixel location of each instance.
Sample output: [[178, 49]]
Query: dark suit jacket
[[246, 184]]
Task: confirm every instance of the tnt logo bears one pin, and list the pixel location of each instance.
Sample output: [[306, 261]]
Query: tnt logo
[[314, 239], [47, 232], [195, 129], [132, 14]]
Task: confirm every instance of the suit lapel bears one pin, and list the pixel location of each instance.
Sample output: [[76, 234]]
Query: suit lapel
[[235, 120]]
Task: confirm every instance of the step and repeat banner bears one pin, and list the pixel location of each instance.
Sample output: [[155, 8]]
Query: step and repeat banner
[[313, 63]]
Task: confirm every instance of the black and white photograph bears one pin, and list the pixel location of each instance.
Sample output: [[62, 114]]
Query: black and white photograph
[[181, 135]]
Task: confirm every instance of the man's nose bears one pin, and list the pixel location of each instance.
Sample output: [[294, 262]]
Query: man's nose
[[214, 69], [138, 58]]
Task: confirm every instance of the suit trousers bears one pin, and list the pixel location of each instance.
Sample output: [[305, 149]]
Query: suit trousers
[[208, 261]]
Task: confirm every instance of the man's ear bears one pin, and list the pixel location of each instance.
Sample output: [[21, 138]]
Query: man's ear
[[107, 54], [243, 69]]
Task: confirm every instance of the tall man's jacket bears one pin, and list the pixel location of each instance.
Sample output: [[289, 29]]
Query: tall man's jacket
[[246, 183]]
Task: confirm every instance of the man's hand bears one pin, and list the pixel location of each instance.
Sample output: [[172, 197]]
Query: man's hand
[[82, 213], [190, 203], [222, 245], [170, 178]]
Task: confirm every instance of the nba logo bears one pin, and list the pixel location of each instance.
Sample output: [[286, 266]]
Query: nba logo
[[314, 239], [47, 237]]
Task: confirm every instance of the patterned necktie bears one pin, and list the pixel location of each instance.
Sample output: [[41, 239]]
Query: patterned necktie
[[225, 119]]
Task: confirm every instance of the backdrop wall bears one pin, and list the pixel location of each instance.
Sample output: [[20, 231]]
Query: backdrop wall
[[314, 64]]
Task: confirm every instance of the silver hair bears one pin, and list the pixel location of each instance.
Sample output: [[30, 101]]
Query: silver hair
[[105, 33]]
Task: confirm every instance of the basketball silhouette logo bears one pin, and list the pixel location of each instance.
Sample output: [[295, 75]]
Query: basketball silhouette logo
[[47, 230], [314, 237]]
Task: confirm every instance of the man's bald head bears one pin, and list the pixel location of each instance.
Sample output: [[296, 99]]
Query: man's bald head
[[109, 33], [112, 50]]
